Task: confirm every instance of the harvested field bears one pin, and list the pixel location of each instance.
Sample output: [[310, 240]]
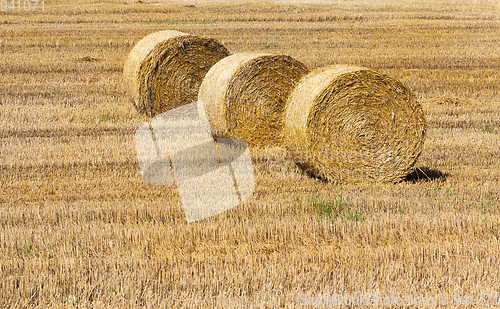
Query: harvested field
[[80, 229]]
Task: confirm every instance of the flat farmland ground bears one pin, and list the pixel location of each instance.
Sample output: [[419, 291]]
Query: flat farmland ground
[[80, 229]]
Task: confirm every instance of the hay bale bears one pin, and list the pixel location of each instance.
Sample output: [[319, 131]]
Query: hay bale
[[165, 69], [244, 96], [351, 124]]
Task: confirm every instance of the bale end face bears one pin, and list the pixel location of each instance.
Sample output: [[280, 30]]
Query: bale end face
[[245, 95], [165, 69], [351, 124]]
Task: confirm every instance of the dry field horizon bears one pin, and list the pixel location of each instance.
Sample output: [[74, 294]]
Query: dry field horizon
[[80, 229]]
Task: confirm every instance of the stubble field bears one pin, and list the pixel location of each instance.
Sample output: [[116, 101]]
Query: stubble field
[[79, 227]]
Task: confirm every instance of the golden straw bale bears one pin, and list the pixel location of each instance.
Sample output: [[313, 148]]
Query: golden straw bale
[[165, 69], [352, 124], [244, 96]]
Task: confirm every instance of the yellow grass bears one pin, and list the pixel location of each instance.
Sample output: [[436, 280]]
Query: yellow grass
[[79, 227]]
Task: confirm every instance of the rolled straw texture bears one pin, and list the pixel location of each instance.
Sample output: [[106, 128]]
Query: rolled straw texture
[[165, 69], [351, 124], [244, 96]]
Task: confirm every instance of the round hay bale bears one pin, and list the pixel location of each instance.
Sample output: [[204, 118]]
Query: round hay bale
[[244, 96], [351, 124], [165, 69]]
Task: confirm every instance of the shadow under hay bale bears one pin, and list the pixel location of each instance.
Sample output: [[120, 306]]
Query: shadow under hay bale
[[165, 69], [352, 124], [244, 96], [425, 174]]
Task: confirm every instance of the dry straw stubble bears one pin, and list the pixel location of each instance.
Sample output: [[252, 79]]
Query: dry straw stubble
[[244, 96], [352, 124], [448, 99], [165, 69]]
